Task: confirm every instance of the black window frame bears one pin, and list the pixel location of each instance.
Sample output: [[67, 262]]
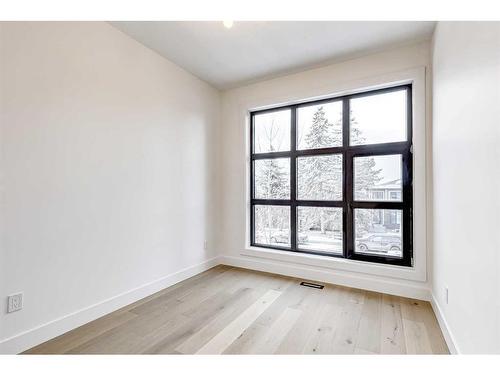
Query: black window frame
[[348, 204]]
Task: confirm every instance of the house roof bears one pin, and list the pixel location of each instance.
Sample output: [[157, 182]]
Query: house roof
[[391, 184]]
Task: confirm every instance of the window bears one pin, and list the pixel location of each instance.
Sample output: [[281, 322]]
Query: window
[[395, 195], [334, 177], [377, 195]]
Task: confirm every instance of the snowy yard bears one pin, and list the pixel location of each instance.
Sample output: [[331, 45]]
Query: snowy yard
[[315, 240]]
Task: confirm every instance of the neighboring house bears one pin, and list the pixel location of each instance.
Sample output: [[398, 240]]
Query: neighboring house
[[386, 191]]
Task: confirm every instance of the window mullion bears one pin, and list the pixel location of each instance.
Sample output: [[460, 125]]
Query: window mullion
[[293, 179], [347, 182], [252, 180]]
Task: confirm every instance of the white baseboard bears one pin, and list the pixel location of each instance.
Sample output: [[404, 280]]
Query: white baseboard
[[445, 328], [350, 279], [54, 328]]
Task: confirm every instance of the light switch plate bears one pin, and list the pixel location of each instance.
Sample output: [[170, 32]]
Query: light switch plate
[[15, 302]]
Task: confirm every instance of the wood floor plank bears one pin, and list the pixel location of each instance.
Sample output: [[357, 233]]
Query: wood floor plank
[[370, 324], [150, 328], [210, 330], [222, 340], [416, 337], [178, 289], [297, 338], [83, 334], [424, 314], [346, 335], [360, 351], [392, 339], [292, 296], [199, 289], [276, 332], [236, 311], [247, 340], [205, 314], [130, 338], [321, 339]]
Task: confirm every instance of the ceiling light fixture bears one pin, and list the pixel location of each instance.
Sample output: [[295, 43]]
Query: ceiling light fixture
[[228, 24]]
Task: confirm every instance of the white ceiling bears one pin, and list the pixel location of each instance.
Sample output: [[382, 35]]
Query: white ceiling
[[252, 51]]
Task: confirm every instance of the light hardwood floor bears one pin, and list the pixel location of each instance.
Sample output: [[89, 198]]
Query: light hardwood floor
[[235, 311]]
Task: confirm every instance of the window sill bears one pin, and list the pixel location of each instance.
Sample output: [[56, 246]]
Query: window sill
[[333, 263]]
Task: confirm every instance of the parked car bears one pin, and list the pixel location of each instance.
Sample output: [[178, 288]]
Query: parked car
[[283, 237], [379, 243]]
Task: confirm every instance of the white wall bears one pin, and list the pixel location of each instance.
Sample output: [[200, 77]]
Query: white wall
[[466, 182], [308, 84], [107, 170]]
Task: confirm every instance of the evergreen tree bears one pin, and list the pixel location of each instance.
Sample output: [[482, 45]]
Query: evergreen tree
[[320, 175], [271, 182], [365, 176], [323, 133], [271, 175]]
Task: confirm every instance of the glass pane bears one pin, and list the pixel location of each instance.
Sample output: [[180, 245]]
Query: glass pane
[[319, 177], [377, 178], [320, 229], [319, 126], [272, 131], [272, 225], [272, 178], [378, 232], [378, 118]]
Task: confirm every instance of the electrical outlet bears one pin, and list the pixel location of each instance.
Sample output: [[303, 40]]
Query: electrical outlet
[[15, 302], [205, 245], [446, 294]]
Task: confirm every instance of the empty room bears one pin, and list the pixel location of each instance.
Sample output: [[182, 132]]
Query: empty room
[[249, 187]]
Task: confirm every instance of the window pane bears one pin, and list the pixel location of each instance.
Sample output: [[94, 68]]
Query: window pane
[[272, 131], [272, 225], [320, 229], [319, 126], [378, 118], [319, 177], [377, 178], [272, 178], [378, 232]]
